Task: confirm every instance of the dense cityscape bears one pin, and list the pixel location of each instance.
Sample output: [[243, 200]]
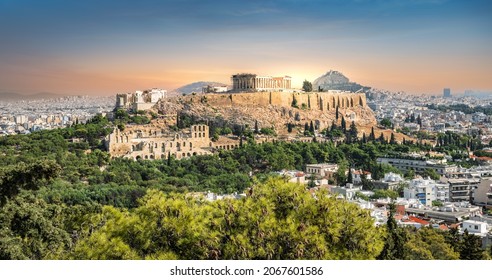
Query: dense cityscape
[[245, 139]]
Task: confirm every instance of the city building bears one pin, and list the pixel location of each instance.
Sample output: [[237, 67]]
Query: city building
[[446, 93], [140, 100], [426, 191], [418, 165], [322, 170], [391, 181], [252, 83], [461, 189], [483, 194]]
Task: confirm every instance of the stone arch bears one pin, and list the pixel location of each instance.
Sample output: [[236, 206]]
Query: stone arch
[[138, 158], [163, 156], [152, 157], [146, 157], [361, 103], [351, 103], [188, 154], [194, 153]]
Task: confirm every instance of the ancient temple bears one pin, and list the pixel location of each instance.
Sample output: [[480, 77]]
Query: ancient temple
[[252, 83]]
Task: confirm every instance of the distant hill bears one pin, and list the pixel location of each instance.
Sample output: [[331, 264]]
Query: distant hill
[[194, 87], [12, 96], [334, 80]]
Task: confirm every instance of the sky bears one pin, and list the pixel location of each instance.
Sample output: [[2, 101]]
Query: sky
[[104, 47]]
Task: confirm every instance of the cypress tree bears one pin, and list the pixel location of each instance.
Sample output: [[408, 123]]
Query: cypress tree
[[336, 113], [372, 136], [381, 139], [311, 127], [343, 125], [392, 138], [394, 245]]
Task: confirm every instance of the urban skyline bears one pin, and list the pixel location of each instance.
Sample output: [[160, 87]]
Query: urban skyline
[[102, 48]]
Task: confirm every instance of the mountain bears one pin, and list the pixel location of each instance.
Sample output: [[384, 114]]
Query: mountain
[[12, 96], [194, 87], [334, 80]]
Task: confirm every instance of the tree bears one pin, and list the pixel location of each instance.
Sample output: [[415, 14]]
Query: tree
[[343, 125], [394, 245], [353, 132], [372, 135], [277, 220], [32, 229], [386, 123], [336, 113], [307, 86], [428, 244], [311, 127], [381, 139], [256, 127], [294, 102], [392, 139], [431, 173], [471, 248], [27, 177]]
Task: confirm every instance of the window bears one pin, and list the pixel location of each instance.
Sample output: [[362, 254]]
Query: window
[[476, 227]]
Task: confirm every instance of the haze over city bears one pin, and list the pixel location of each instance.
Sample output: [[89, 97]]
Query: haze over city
[[105, 47]]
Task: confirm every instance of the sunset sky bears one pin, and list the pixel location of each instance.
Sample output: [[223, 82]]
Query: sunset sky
[[103, 47]]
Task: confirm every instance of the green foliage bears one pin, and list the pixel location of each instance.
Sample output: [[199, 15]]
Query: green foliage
[[267, 131], [277, 221], [394, 244], [307, 86], [25, 176], [437, 203], [384, 194], [471, 247], [431, 173], [428, 244], [294, 102], [386, 123], [32, 229]]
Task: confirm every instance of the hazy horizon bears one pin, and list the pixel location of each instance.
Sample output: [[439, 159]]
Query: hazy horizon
[[105, 47]]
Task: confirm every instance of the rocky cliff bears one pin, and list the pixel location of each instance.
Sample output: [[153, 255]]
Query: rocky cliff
[[275, 109]]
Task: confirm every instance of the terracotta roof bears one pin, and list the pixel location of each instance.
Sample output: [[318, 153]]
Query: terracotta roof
[[443, 227], [417, 220]]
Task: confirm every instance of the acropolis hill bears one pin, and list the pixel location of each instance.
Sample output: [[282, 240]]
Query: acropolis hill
[[271, 109]]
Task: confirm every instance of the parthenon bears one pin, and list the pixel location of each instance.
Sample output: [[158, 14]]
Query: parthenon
[[251, 83]]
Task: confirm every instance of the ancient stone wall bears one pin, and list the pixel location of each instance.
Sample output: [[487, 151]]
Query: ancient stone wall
[[323, 101]]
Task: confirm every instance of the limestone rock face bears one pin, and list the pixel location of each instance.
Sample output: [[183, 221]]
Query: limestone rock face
[[334, 80], [270, 109]]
